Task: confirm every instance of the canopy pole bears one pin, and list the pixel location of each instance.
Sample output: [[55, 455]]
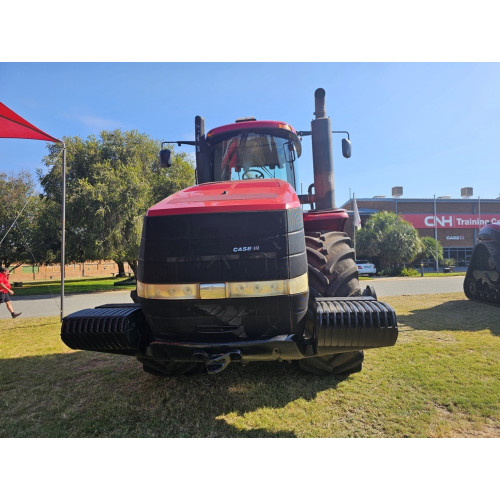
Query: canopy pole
[[63, 227]]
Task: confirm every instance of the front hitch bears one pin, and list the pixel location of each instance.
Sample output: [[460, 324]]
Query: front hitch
[[217, 362]]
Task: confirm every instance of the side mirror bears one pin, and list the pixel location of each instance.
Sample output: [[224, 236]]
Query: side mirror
[[346, 148], [289, 150], [165, 159]]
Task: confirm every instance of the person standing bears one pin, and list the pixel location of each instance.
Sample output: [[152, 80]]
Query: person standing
[[5, 291]]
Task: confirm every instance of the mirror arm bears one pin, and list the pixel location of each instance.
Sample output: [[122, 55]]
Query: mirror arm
[[341, 132], [303, 133], [179, 143]]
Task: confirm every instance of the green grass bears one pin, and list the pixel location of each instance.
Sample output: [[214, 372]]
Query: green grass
[[79, 285], [441, 379]]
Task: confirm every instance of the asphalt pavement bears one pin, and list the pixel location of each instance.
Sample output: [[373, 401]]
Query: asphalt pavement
[[46, 305], [388, 287]]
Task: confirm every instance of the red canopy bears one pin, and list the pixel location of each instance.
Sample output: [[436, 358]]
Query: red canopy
[[12, 126]]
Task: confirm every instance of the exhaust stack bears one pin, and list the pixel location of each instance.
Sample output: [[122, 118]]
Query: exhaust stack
[[322, 148]]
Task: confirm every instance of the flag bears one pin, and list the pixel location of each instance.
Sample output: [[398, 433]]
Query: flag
[[357, 218]]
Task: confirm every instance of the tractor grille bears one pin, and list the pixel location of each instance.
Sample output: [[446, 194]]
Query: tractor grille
[[223, 247]]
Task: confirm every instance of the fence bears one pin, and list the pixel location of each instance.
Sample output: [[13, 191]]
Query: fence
[[26, 272]]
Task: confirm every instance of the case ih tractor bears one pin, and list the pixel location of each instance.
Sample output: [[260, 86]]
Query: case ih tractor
[[233, 270], [482, 281]]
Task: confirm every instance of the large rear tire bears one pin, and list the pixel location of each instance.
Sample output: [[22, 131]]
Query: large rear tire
[[332, 273]]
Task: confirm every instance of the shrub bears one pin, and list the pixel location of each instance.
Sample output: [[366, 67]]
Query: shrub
[[391, 271], [409, 272]]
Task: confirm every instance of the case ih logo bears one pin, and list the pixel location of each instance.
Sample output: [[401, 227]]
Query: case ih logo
[[453, 221], [254, 248]]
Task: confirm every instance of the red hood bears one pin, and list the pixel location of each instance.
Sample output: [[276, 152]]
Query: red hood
[[234, 196]]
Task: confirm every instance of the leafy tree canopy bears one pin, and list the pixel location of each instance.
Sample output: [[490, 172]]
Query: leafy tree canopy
[[389, 239], [19, 209], [428, 249], [111, 181]]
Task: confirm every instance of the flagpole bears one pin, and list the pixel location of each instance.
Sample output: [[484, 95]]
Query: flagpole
[[436, 236]]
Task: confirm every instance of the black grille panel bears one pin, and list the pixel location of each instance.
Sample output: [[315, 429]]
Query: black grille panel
[[226, 320], [234, 246]]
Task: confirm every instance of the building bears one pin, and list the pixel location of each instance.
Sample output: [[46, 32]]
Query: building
[[454, 222]]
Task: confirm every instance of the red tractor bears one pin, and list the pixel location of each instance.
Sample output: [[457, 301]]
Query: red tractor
[[232, 269]]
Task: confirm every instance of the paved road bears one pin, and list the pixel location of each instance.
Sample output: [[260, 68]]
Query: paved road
[[43, 305], [46, 305], [387, 287]]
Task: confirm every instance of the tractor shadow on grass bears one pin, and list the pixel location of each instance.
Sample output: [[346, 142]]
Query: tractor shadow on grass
[[455, 315], [86, 394]]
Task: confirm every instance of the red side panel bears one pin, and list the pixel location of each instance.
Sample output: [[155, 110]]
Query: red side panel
[[234, 196], [325, 220]]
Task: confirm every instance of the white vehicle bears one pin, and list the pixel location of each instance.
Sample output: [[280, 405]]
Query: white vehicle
[[365, 267]]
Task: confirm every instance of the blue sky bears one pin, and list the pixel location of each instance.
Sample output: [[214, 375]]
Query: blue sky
[[432, 128]]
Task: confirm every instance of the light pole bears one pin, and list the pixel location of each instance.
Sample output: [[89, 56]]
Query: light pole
[[436, 236]]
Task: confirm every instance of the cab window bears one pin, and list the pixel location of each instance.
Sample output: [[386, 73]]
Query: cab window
[[251, 155]]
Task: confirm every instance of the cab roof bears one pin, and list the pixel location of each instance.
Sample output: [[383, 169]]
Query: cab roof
[[249, 124]]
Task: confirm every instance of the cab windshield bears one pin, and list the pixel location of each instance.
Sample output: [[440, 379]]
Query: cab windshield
[[254, 155]]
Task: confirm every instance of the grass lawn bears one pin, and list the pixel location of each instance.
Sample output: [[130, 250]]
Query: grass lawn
[[79, 285], [441, 379]]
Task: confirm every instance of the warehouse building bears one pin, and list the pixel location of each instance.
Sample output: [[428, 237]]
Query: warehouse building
[[454, 222]]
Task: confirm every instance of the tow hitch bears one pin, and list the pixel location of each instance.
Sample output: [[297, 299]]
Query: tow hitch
[[215, 363]]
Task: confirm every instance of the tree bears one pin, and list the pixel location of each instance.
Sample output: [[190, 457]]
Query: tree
[[112, 180], [389, 240], [19, 211], [428, 249]]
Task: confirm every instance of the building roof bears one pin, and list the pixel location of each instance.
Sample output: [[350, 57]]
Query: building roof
[[424, 200]]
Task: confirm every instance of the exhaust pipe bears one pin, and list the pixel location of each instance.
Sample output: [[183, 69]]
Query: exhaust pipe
[[322, 147], [319, 103]]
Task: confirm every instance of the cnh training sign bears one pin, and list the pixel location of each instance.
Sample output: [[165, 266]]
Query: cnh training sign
[[454, 221]]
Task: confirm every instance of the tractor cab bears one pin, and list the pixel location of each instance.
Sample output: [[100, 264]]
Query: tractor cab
[[246, 149]]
